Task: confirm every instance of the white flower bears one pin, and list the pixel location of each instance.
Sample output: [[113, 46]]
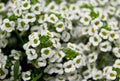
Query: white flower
[[105, 46], [31, 54], [95, 39], [118, 13], [25, 5], [2, 7], [65, 36], [26, 46], [73, 7], [93, 2], [114, 2], [97, 75], [85, 30], [87, 74], [92, 57], [52, 7], [102, 2], [81, 47], [18, 11], [69, 66], [56, 43], [3, 73], [3, 43], [34, 41], [8, 25], [15, 54], [59, 68], [22, 24], [46, 52], [107, 69], [104, 33], [41, 62], [33, 35], [68, 24], [50, 69], [60, 78], [52, 18], [113, 35], [71, 46], [43, 18], [117, 63], [97, 23], [36, 8], [111, 10], [60, 56], [59, 26], [30, 17], [111, 75], [72, 75], [116, 51], [78, 61], [113, 24], [3, 60], [103, 16], [91, 66], [92, 31], [85, 20], [26, 75]]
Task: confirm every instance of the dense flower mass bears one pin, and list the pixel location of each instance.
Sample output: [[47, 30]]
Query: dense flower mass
[[60, 40]]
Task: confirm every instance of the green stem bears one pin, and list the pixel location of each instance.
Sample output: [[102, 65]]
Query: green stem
[[19, 36]]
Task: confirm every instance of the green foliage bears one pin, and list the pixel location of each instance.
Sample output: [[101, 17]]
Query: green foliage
[[118, 71], [94, 15], [13, 17], [33, 1], [105, 26], [45, 41], [70, 54], [37, 74], [16, 70]]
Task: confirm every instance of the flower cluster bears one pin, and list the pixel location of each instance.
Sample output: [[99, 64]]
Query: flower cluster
[[60, 40]]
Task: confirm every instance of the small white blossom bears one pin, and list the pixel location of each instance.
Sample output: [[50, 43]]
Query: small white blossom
[[31, 54], [117, 63], [104, 33], [116, 52], [26, 75], [41, 62], [52, 18], [69, 66], [92, 57], [8, 25], [111, 75], [85, 20], [105, 46], [46, 52], [95, 39]]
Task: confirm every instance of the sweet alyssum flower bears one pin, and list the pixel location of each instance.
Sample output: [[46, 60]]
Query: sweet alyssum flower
[[117, 63], [97, 75], [111, 75], [85, 20], [87, 74], [36, 8], [22, 25], [30, 17], [31, 54], [52, 18], [105, 46], [95, 39], [69, 66], [46, 52], [59, 26], [113, 35], [78, 61], [41, 62], [104, 33], [65, 36], [8, 25], [92, 57], [2, 7], [116, 51], [26, 75], [25, 5]]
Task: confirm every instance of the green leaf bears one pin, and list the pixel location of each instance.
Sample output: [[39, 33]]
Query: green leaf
[[16, 70], [45, 42], [94, 15], [118, 71], [33, 1], [37, 77], [70, 54], [13, 17]]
